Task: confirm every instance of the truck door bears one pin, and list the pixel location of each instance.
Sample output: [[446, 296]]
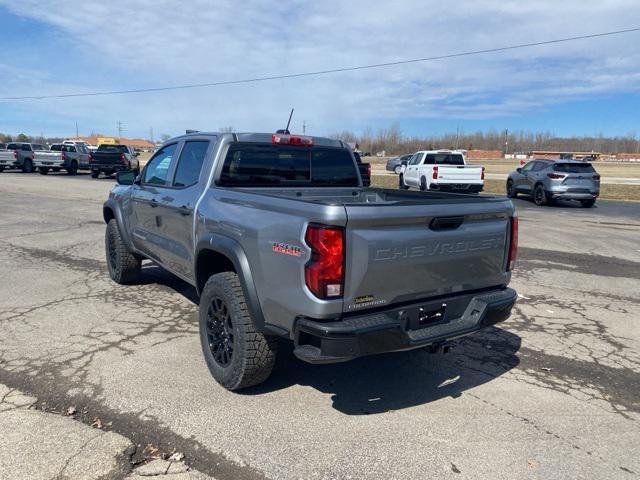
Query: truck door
[[411, 173], [146, 218], [177, 205]]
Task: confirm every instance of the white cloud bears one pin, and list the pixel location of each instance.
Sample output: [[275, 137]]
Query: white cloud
[[157, 43]]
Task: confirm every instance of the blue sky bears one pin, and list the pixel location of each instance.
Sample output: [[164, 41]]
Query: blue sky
[[583, 88]]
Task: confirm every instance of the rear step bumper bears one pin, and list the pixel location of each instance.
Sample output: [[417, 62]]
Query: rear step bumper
[[404, 328]]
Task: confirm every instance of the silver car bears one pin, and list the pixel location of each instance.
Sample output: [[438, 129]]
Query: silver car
[[549, 180]]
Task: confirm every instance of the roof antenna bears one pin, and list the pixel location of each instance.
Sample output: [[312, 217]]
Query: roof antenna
[[286, 130]]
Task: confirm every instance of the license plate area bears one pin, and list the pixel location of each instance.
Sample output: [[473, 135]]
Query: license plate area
[[425, 316]]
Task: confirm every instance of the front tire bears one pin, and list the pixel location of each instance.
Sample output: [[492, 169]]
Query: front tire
[[95, 173], [27, 166], [401, 184], [43, 170], [73, 168], [124, 267], [511, 189], [237, 355], [588, 203], [539, 195]]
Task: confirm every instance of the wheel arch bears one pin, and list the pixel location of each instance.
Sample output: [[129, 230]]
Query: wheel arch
[[218, 253], [110, 211]]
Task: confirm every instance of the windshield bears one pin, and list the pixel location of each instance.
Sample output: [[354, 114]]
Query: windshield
[[113, 148], [259, 165], [444, 159], [573, 167]]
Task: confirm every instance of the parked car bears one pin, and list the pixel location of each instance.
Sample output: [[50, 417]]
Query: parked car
[[280, 238], [395, 164], [550, 180], [19, 155], [444, 170], [3, 146], [108, 159], [365, 169], [71, 157]]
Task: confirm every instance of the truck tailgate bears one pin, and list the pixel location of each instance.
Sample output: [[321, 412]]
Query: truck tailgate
[[459, 174], [402, 253]]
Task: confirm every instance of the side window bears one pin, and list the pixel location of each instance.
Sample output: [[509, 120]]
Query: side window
[[540, 166], [416, 159], [529, 166], [190, 163], [157, 170]]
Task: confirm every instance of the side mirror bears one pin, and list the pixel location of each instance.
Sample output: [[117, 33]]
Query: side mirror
[[125, 177], [519, 170]]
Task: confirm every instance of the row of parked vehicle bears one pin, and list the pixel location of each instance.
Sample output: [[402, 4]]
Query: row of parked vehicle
[[70, 156], [546, 181]]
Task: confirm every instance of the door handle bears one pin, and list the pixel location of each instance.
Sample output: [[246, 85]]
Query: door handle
[[184, 210], [153, 203]]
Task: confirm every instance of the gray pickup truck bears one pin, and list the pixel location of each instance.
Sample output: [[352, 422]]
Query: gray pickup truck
[[61, 155], [281, 239]]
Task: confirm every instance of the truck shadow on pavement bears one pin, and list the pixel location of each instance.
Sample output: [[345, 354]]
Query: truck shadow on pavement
[[381, 383], [395, 381]]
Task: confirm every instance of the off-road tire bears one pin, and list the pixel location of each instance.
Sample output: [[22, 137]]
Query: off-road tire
[[73, 168], [401, 184], [511, 189], [27, 166], [539, 195], [124, 267], [253, 354], [43, 170], [587, 203]]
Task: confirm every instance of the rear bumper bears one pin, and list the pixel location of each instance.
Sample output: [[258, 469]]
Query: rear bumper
[[403, 328], [106, 167], [457, 187], [573, 194], [10, 163]]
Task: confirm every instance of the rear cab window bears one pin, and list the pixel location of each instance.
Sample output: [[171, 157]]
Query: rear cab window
[[113, 148], [264, 165], [444, 159]]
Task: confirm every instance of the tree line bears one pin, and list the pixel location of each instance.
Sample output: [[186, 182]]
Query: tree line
[[393, 142]]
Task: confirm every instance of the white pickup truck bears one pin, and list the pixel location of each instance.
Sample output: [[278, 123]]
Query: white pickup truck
[[444, 170]]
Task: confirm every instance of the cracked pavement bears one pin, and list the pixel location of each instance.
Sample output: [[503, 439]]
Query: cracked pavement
[[554, 392]]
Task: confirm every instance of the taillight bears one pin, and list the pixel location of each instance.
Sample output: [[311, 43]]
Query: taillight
[[513, 244], [596, 178], [482, 174], [15, 154], [90, 158], [435, 173], [555, 176], [63, 156], [123, 158], [281, 139], [324, 273]]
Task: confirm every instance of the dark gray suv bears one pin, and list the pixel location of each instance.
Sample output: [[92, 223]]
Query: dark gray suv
[[549, 180]]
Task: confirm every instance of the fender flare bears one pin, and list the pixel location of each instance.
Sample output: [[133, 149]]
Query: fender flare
[[110, 204], [231, 249]]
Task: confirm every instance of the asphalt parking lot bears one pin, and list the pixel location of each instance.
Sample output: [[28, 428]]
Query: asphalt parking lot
[[554, 392]]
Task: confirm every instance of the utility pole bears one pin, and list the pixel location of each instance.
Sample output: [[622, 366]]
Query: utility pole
[[506, 142], [77, 130], [457, 136], [151, 134], [304, 127], [119, 130]]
